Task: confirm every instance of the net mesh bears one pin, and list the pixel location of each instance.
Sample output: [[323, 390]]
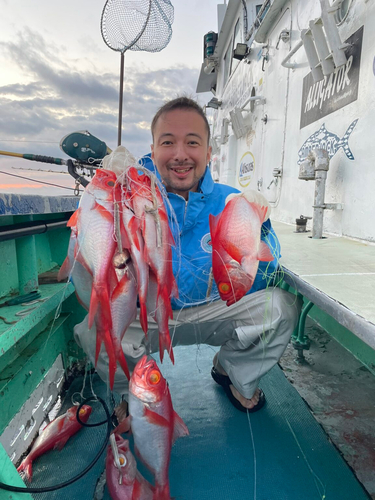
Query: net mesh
[[141, 25]]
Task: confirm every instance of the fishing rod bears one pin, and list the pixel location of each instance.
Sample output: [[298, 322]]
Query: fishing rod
[[86, 150], [71, 164]]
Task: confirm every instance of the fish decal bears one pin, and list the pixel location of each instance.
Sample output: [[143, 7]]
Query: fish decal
[[323, 139]]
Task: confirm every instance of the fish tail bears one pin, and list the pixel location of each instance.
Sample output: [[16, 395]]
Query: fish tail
[[26, 466], [65, 269], [143, 317], [112, 359], [344, 142], [122, 360], [162, 492], [163, 304]]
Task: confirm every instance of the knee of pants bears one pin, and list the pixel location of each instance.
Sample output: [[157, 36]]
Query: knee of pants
[[286, 306]]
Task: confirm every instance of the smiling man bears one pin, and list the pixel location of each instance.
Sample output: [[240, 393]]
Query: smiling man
[[181, 147], [253, 333]]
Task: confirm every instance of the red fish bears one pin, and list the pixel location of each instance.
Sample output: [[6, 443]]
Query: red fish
[[154, 423], [54, 436], [94, 224], [151, 216], [231, 280], [237, 247], [135, 245], [126, 483]]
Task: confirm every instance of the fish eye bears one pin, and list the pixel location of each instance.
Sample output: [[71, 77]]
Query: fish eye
[[122, 460], [81, 412], [110, 183], [224, 287], [154, 377]]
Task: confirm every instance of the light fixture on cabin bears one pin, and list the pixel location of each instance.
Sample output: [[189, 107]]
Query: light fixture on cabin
[[214, 103], [238, 123], [240, 51], [209, 68]]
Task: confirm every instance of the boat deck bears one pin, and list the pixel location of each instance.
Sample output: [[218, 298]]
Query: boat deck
[[337, 274], [280, 453]]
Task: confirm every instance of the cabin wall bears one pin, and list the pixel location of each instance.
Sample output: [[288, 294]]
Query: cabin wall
[[298, 115]]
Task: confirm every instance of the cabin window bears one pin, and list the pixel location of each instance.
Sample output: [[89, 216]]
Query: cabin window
[[227, 60], [236, 39], [342, 11], [257, 10]]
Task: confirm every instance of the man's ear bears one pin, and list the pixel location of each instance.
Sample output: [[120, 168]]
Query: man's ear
[[152, 152], [209, 151]]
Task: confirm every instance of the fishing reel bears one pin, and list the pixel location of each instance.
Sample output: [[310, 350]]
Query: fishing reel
[[87, 150]]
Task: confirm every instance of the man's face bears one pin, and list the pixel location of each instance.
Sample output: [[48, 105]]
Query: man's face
[[180, 150]]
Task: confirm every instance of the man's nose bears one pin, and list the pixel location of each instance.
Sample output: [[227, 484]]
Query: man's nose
[[180, 153]]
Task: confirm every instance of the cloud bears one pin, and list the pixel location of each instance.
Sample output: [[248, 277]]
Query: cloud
[[56, 97], [59, 97]]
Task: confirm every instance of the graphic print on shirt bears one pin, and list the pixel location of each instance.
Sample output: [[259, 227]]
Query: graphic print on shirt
[[206, 243]]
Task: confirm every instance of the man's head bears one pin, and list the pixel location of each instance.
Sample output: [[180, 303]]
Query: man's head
[[180, 148]]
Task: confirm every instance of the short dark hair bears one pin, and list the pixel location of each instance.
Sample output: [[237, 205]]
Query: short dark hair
[[185, 103]]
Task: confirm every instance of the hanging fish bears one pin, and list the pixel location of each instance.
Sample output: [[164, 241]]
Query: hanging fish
[[94, 225], [55, 436], [154, 423], [135, 245], [126, 482], [151, 216], [235, 235], [77, 273]]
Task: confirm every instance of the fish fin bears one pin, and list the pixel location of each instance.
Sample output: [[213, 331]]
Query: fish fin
[[264, 253], [104, 212], [262, 210], [143, 317], [26, 466], [258, 202], [72, 222], [112, 358], [155, 418], [343, 143], [136, 494], [179, 428], [119, 289], [162, 492], [123, 363], [133, 226], [59, 445], [65, 269], [233, 251], [123, 426], [165, 343], [214, 221], [94, 302]]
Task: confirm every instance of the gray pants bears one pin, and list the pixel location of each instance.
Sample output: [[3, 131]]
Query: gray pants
[[253, 334]]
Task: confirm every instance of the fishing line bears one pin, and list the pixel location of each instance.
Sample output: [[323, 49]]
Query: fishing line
[[316, 478], [33, 180], [254, 455], [46, 489]]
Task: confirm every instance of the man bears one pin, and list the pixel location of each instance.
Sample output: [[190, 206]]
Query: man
[[253, 332]]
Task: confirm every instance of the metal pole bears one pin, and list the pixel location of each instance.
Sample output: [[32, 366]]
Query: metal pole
[[120, 99]]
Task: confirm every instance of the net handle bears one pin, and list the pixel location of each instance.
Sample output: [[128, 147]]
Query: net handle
[[121, 92]]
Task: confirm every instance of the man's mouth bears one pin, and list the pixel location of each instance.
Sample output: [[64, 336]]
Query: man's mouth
[[181, 170]]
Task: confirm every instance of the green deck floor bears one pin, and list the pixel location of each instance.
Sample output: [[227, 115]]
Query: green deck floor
[[280, 453]]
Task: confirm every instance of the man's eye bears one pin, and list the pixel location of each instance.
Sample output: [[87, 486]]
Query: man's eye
[[166, 143]]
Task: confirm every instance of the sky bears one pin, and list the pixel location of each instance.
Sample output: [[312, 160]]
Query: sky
[[58, 76]]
